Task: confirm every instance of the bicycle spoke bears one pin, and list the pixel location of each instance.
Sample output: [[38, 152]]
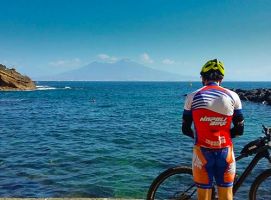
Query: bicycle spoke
[[179, 186], [185, 195], [264, 192]]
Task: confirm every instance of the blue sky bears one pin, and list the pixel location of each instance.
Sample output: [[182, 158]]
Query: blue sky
[[41, 37]]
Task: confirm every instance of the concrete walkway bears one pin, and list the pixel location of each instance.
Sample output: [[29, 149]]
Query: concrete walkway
[[66, 199]]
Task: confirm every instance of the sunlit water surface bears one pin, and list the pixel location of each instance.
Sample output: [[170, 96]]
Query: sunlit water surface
[[102, 139]]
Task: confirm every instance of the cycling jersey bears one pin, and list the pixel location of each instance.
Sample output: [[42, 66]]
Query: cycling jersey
[[212, 108]]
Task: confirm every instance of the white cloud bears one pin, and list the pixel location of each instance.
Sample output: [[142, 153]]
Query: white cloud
[[107, 58], [103, 56], [168, 61], [146, 58], [66, 63]]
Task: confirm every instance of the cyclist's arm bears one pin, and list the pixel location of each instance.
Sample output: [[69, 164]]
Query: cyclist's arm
[[187, 117], [186, 125], [238, 125], [238, 118]]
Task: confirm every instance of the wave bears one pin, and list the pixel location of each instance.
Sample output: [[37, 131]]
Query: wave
[[45, 87], [11, 100]]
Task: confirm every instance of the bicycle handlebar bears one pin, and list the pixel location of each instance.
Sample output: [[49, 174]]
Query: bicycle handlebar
[[258, 145]]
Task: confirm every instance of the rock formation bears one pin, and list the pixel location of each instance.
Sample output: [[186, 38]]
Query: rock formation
[[260, 95], [10, 79]]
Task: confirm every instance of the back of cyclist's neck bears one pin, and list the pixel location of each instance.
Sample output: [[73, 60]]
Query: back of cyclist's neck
[[211, 82]]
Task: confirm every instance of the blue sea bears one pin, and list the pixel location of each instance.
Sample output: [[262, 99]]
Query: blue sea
[[103, 139]]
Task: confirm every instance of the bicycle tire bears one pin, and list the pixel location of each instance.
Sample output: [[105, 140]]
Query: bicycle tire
[[172, 173], [263, 193]]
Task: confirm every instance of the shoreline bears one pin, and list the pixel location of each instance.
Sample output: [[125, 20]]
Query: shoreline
[[258, 95]]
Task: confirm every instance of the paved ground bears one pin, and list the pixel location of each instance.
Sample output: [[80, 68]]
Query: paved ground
[[63, 199]]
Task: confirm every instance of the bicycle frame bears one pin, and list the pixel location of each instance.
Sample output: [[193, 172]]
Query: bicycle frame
[[257, 149], [260, 155]]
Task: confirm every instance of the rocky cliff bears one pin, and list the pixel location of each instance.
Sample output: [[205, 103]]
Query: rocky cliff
[[10, 79]]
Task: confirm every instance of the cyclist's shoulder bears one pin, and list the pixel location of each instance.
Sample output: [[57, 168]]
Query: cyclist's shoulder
[[232, 93], [196, 91]]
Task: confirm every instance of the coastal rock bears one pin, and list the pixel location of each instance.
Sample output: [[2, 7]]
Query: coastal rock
[[10, 79], [260, 95]]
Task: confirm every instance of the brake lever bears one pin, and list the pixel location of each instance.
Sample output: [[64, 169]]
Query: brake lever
[[266, 131]]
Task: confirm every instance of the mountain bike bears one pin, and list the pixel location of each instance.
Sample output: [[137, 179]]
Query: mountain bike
[[177, 182]]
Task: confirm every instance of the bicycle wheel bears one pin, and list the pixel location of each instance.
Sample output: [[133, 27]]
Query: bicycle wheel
[[260, 188], [174, 183]]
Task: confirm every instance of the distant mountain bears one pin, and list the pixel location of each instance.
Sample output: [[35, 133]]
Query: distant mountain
[[123, 70]]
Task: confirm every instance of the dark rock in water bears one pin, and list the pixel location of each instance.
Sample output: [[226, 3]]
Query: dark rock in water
[[10, 79], [260, 95]]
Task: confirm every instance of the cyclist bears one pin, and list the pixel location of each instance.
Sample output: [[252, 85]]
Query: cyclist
[[213, 109]]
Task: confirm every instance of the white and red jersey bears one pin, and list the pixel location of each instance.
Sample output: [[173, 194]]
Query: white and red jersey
[[212, 108]]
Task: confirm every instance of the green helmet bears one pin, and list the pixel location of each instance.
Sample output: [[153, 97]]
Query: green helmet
[[213, 66]]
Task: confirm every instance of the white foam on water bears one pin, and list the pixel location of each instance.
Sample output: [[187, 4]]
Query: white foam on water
[[45, 87]]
